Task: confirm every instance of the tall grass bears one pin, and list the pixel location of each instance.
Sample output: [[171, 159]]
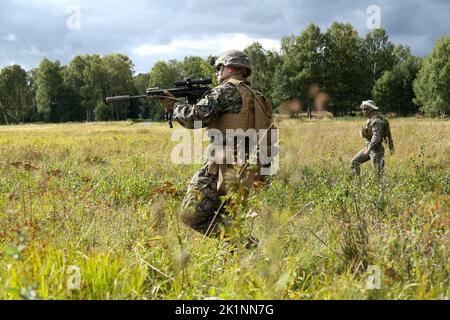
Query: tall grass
[[105, 198]]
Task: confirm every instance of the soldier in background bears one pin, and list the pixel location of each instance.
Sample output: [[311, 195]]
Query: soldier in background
[[234, 104], [375, 131]]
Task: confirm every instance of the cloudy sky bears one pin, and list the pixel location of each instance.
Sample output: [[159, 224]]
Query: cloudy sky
[[149, 31]]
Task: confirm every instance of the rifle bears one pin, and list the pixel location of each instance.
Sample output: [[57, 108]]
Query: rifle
[[191, 89]]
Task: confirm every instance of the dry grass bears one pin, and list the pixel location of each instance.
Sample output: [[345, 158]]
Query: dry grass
[[104, 197]]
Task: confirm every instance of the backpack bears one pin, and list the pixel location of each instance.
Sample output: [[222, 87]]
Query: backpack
[[387, 134]]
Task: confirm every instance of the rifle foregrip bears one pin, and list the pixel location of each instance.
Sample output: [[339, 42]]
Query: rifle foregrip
[[119, 98]]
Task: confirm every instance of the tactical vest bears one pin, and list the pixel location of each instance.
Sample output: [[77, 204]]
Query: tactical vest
[[366, 131], [256, 111], [256, 114]]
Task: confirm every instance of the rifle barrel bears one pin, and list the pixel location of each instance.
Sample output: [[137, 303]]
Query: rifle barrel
[[124, 98]]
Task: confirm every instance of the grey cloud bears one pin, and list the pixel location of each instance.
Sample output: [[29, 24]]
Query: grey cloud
[[117, 26]]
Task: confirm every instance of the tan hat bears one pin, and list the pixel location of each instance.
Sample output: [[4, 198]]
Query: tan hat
[[369, 104], [234, 58]]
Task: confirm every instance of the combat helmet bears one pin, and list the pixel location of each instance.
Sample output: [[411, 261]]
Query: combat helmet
[[233, 58], [369, 104]]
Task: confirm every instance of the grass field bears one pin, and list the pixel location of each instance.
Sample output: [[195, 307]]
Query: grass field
[[98, 203]]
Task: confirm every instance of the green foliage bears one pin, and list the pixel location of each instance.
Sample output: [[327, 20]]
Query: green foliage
[[49, 82], [394, 90], [378, 56], [140, 108], [164, 74], [14, 95], [432, 87], [141, 82], [96, 77], [195, 67], [66, 106], [119, 79], [302, 66], [102, 112], [333, 70], [265, 64], [337, 65], [86, 75], [343, 70], [31, 80]]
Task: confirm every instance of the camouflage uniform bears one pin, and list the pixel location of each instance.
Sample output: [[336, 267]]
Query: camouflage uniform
[[202, 201], [374, 132]]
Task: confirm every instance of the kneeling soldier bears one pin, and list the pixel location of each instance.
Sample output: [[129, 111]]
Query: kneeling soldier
[[233, 105]]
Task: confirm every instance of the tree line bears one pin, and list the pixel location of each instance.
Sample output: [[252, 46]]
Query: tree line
[[335, 69]]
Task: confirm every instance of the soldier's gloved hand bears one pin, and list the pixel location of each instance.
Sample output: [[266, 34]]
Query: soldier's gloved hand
[[167, 101]]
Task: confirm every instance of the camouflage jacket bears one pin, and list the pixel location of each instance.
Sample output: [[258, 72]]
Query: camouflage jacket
[[375, 131], [222, 99]]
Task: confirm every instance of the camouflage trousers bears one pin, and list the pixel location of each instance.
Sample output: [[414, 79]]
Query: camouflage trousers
[[376, 156], [200, 206]]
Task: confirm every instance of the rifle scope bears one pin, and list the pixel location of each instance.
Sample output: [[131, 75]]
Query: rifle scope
[[193, 82]]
